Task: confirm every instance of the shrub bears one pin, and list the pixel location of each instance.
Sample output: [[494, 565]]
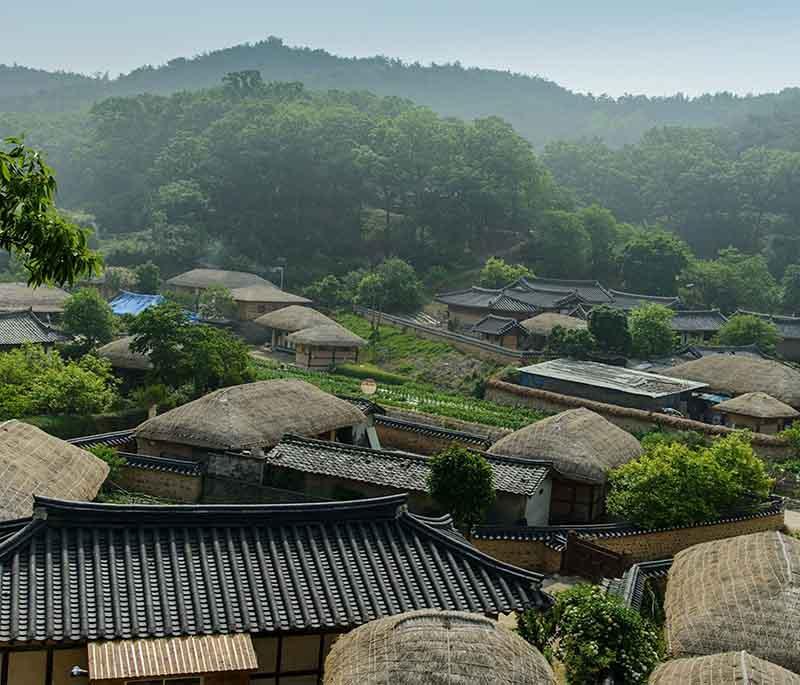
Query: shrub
[[746, 329], [651, 331], [496, 273], [577, 343], [595, 636], [392, 287], [88, 316], [112, 458], [674, 484], [609, 327]]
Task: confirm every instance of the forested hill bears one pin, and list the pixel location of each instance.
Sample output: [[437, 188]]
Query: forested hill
[[539, 109]]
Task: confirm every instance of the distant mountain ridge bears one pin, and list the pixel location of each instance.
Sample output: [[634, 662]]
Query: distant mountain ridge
[[539, 109]]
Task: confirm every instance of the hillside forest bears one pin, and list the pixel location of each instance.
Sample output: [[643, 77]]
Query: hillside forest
[[247, 173]]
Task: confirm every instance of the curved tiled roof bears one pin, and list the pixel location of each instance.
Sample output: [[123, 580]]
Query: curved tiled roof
[[18, 328], [81, 571]]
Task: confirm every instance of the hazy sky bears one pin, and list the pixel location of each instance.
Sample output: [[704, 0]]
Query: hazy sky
[[613, 46]]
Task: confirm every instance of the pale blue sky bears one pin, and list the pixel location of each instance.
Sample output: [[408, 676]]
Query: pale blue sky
[[613, 46]]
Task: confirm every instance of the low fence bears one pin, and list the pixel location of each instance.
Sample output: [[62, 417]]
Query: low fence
[[469, 345], [632, 420]]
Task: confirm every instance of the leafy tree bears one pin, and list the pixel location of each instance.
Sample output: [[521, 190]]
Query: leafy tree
[[561, 246], [609, 327], [88, 316], [651, 330], [461, 482], [392, 287], [577, 343], [603, 232], [675, 484], [148, 278], [50, 248], [651, 262], [160, 332], [747, 329], [496, 273], [790, 297], [328, 292], [595, 636], [119, 278], [216, 304], [112, 458]]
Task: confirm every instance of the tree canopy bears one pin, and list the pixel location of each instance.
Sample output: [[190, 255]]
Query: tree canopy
[[746, 329], [496, 273], [651, 331], [89, 317]]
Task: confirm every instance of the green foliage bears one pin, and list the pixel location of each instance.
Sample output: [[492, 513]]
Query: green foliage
[[49, 247], [461, 483], [790, 294], [561, 246], [148, 278], [88, 316], [119, 278], [392, 287], [112, 458], [181, 352], [657, 438], [609, 327], [496, 273], [651, 331], [216, 304], [651, 262], [792, 436], [329, 292], [746, 329], [370, 371], [675, 484], [595, 636], [33, 381], [577, 343]]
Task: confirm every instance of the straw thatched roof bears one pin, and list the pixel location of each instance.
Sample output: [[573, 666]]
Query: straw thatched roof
[[266, 293], [206, 278], [121, 356], [740, 593], [430, 647], [43, 300], [543, 324], [252, 415], [730, 668], [33, 462], [759, 405], [580, 444], [293, 318], [329, 335], [737, 375]]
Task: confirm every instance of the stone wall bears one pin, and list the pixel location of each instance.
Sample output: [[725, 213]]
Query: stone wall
[[398, 438], [632, 420], [218, 490], [492, 432], [173, 486], [528, 554]]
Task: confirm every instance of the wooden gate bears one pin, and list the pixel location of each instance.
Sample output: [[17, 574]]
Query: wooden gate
[[585, 559]]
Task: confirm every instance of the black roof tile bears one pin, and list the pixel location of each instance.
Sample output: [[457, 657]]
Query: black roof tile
[[123, 438], [698, 320], [481, 441], [82, 571], [788, 326], [181, 467], [400, 470], [17, 328], [498, 325]]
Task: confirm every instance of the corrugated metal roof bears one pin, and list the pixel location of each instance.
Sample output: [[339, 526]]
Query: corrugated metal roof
[[612, 377], [17, 328], [134, 303], [171, 656]]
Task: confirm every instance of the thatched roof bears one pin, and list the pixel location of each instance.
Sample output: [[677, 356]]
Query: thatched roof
[[759, 405], [293, 318], [740, 593], [266, 293], [206, 278], [580, 444], [737, 375], [119, 353], [430, 647], [252, 415], [730, 668], [543, 324], [329, 335], [44, 300], [33, 462]]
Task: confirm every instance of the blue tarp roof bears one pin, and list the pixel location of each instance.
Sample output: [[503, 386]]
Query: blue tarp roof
[[134, 303]]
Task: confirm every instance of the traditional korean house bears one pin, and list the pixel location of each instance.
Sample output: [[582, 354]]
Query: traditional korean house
[[104, 594], [325, 346], [254, 300], [326, 470], [24, 327], [697, 325], [730, 668], [734, 595], [611, 384], [502, 331], [131, 367], [287, 320], [46, 302], [250, 417], [540, 327], [582, 448], [788, 327], [428, 646], [194, 282], [630, 301], [757, 412], [33, 463], [134, 304]]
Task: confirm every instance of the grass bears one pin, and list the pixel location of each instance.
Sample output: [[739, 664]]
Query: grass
[[390, 342], [371, 371]]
